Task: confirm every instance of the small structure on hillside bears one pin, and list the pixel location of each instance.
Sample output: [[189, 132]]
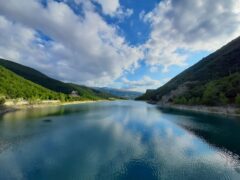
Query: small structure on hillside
[[74, 94]]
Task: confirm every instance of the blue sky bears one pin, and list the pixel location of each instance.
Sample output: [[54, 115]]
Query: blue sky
[[129, 44]]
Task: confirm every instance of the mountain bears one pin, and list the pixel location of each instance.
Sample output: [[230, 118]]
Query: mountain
[[120, 92], [13, 86], [92, 92], [213, 81], [50, 83], [36, 77]]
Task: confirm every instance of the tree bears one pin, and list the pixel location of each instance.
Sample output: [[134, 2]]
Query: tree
[[180, 100], [2, 100], [62, 97], [210, 95], [237, 100], [223, 99]]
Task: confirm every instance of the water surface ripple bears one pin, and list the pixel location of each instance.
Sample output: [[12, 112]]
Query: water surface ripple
[[117, 140]]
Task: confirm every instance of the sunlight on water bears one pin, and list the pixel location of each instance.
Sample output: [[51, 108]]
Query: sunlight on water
[[117, 140]]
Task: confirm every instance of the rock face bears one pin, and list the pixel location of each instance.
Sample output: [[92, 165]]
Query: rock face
[[177, 92], [181, 89]]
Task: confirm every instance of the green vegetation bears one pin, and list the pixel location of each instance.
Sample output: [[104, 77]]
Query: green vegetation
[[13, 86], [219, 92], [90, 94], [36, 77], [237, 100], [63, 89], [2, 100], [180, 100], [213, 81]]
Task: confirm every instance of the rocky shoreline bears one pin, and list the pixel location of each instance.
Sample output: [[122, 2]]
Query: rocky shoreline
[[222, 110], [11, 107], [4, 110]]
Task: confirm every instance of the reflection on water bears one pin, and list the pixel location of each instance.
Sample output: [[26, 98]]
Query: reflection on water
[[116, 140], [221, 131]]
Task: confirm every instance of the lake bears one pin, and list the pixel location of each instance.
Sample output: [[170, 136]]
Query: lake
[[118, 140]]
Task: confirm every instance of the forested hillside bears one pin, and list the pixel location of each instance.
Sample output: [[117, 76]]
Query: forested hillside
[[13, 86], [36, 77], [91, 93], [39, 78], [213, 81]]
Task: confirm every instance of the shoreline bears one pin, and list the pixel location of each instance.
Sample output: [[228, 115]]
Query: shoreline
[[219, 110], [21, 106]]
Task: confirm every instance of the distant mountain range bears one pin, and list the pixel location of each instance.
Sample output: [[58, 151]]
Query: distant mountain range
[[120, 92], [18, 81], [215, 80]]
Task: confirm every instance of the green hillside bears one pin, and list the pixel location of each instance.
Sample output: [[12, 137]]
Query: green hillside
[[223, 91], [90, 93], [217, 68], [52, 84], [13, 86], [36, 77]]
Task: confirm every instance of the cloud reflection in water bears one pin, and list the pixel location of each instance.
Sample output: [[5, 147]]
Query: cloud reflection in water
[[121, 140]]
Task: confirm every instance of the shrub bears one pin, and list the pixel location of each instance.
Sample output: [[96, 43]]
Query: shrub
[[223, 99], [210, 94], [194, 101], [237, 100], [180, 100], [2, 100], [62, 97]]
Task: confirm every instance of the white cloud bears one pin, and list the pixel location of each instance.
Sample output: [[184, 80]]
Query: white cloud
[[17, 33], [109, 6], [87, 50], [84, 50], [192, 25], [144, 83], [114, 9], [123, 13]]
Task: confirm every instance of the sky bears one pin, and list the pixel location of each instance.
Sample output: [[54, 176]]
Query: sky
[[126, 44]]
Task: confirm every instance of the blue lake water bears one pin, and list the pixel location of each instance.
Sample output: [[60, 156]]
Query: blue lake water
[[118, 140]]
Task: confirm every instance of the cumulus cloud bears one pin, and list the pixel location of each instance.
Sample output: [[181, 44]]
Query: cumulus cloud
[[114, 9], [84, 49], [146, 81], [109, 6], [189, 25]]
